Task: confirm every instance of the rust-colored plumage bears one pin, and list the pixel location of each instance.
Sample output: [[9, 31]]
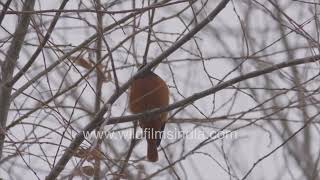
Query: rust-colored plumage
[[147, 92]]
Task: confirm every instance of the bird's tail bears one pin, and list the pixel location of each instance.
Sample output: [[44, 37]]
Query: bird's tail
[[152, 153]]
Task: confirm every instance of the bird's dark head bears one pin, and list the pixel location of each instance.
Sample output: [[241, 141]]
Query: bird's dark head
[[145, 73]]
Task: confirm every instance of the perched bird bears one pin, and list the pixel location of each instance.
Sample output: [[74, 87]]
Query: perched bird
[[147, 92]]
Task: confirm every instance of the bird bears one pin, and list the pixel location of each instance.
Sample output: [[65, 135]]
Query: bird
[[149, 91]]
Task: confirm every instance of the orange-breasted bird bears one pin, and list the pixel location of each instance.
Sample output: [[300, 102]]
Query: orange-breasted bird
[[149, 91]]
